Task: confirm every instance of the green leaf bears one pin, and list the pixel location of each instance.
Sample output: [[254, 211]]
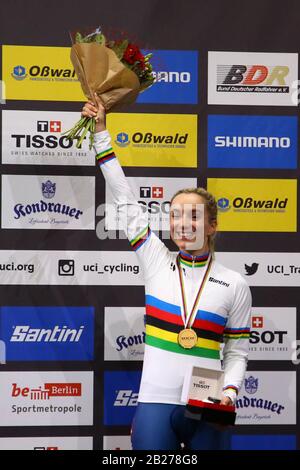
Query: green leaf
[[100, 39], [78, 37], [119, 49]]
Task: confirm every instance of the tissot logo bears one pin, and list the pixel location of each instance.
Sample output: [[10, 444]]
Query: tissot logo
[[48, 126], [154, 192], [250, 270], [46, 448]]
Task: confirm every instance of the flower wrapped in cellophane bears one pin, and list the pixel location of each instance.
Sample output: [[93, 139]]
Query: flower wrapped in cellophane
[[116, 70]]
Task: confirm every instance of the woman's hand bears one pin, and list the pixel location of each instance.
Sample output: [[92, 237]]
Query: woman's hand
[[226, 401], [95, 109]]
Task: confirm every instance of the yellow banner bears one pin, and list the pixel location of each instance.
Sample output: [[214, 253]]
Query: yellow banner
[[39, 73], [154, 140], [255, 205]]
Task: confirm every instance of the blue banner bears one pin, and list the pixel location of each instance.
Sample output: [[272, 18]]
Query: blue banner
[[252, 141], [120, 396], [176, 74], [47, 333]]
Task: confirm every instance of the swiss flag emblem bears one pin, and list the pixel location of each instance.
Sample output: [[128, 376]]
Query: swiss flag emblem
[[157, 192], [257, 322], [55, 126]]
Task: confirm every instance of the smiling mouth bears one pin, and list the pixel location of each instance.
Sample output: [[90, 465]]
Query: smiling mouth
[[185, 235]]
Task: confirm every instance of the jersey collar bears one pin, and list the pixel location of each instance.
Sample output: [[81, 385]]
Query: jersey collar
[[193, 261]]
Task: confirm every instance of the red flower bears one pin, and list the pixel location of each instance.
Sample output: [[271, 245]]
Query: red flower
[[132, 54]]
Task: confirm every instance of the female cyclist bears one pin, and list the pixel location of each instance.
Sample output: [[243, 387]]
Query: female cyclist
[[193, 304]]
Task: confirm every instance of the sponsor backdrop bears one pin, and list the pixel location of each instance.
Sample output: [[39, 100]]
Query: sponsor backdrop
[[223, 113]]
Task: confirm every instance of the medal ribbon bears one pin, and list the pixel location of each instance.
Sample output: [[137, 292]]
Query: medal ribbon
[[189, 318]]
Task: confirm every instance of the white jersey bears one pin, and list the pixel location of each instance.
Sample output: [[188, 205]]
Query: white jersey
[[223, 312]]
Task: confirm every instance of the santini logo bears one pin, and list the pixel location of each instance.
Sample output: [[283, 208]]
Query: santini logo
[[252, 142], [57, 334]]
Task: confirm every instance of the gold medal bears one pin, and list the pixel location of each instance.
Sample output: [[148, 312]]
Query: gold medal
[[187, 338]]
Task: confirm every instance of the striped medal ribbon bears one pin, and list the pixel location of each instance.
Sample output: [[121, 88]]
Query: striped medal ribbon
[[187, 337]]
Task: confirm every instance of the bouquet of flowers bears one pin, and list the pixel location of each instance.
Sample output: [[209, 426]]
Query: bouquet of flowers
[[116, 71]]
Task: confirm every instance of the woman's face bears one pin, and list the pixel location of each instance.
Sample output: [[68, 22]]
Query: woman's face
[[189, 222]]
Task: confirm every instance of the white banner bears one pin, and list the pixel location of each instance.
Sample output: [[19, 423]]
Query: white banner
[[47, 398], [117, 443], [35, 138], [154, 195], [70, 268], [267, 398], [252, 78], [264, 269], [124, 333], [46, 443], [273, 331], [48, 202]]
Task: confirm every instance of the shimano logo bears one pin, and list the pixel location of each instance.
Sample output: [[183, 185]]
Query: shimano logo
[[25, 334], [252, 142], [172, 77]]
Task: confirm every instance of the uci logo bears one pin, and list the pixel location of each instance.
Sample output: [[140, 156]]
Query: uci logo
[[19, 72], [122, 139]]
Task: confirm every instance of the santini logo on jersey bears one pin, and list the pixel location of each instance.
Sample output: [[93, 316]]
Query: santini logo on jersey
[[222, 283]]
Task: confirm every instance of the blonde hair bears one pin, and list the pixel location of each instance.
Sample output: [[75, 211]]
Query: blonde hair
[[212, 210]]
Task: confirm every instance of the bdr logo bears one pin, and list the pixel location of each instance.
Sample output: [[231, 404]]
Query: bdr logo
[[120, 397]]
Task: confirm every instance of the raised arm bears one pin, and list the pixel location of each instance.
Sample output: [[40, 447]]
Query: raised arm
[[151, 251]]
